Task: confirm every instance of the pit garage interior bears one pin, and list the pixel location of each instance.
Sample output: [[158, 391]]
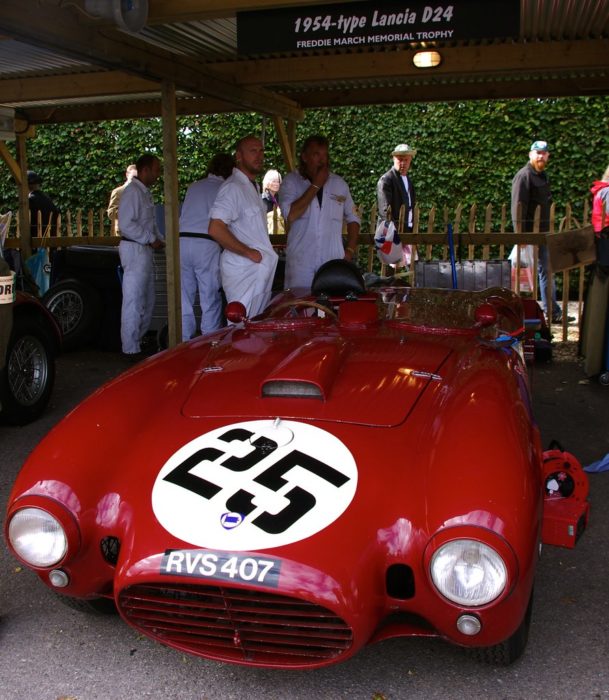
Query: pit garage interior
[[92, 60]]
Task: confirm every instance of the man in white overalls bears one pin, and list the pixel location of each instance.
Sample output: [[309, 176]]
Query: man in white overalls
[[238, 224], [139, 237], [315, 203]]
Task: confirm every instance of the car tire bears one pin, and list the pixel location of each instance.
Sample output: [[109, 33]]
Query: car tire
[[27, 379], [77, 308], [93, 606], [511, 649]]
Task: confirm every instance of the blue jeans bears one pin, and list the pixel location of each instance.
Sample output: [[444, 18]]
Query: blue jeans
[[542, 275]]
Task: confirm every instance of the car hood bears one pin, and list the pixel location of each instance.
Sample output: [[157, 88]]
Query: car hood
[[346, 377]]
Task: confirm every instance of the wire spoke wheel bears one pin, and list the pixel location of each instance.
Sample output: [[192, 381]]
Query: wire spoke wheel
[[68, 309], [28, 370]]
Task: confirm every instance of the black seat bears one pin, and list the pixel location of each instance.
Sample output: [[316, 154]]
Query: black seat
[[338, 278]]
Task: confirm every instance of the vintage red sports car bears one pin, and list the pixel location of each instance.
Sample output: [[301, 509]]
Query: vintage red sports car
[[352, 465]]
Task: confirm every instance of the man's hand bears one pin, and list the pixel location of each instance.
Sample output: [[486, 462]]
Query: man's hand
[[254, 255], [157, 243], [321, 176]]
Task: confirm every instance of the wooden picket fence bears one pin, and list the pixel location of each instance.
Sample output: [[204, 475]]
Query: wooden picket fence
[[479, 233]]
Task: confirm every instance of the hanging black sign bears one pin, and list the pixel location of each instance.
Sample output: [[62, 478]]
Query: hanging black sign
[[354, 24]]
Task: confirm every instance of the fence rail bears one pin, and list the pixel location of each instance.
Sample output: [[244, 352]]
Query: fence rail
[[479, 233]]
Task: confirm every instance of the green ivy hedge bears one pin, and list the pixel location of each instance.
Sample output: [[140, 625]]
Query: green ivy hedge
[[468, 152]]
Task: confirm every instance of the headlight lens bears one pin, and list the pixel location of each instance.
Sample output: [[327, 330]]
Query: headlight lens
[[37, 537], [468, 572]]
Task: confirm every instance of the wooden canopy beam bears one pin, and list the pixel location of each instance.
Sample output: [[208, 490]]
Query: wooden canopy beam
[[571, 87], [67, 31], [75, 86], [148, 106], [469, 61]]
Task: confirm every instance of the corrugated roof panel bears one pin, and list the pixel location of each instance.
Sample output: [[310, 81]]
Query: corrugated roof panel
[[564, 19], [23, 60], [211, 40]]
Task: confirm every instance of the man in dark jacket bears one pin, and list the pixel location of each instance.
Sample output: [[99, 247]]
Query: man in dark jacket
[[531, 189], [395, 187], [40, 202]]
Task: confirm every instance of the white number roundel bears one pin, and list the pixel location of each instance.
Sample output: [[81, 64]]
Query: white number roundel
[[254, 485]]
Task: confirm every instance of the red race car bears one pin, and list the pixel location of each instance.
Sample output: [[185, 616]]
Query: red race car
[[351, 465], [30, 340]]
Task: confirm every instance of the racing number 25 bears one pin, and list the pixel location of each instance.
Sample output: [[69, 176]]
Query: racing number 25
[[242, 501]]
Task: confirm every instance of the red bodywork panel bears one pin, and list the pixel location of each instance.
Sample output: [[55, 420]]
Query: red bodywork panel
[[274, 492]]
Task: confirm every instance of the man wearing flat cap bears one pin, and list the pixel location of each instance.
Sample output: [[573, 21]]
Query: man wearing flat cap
[[395, 187]]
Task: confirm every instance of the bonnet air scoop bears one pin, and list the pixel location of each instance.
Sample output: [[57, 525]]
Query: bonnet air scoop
[[308, 372]]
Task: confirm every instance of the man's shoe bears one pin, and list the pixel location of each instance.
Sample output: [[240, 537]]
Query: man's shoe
[[558, 319], [133, 357]]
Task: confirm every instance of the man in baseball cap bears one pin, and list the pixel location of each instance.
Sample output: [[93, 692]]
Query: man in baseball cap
[[531, 189]]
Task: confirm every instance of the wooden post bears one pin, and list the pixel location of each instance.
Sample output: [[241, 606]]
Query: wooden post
[[431, 220], [549, 279], [414, 248], [287, 150], [488, 224], [502, 230], [24, 207], [517, 229], [172, 222], [456, 229], [445, 248], [371, 232], [471, 228]]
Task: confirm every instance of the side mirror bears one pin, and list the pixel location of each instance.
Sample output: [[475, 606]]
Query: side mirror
[[235, 312]]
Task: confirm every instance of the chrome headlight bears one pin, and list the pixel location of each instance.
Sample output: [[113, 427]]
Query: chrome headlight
[[468, 572], [37, 537]]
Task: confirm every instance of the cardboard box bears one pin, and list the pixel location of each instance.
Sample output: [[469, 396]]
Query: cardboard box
[[571, 248]]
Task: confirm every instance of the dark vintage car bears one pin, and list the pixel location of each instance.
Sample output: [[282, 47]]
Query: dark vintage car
[[27, 364], [352, 465], [85, 296]]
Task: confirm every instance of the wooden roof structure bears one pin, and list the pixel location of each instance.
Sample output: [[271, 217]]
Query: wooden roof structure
[[58, 63], [61, 63]]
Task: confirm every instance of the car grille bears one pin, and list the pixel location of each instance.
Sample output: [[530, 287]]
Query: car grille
[[238, 625]]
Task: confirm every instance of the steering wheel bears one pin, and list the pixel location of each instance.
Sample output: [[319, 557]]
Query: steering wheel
[[304, 303]]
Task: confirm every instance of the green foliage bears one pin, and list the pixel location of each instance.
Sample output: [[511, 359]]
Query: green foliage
[[468, 152]]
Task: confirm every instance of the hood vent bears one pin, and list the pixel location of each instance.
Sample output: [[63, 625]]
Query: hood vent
[[291, 390]]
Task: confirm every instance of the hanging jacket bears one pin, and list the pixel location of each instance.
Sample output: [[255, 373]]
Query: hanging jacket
[[600, 201]]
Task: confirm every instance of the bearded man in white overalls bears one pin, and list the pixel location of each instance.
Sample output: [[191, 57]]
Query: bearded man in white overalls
[[238, 224]]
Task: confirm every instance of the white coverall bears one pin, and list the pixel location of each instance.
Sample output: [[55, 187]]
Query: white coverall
[[316, 236], [239, 205], [200, 258], [137, 224]]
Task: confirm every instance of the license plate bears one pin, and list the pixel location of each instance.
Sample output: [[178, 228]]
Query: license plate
[[223, 566]]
